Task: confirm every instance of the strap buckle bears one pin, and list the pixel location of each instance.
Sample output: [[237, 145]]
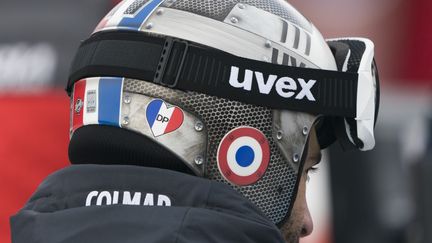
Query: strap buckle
[[171, 62]]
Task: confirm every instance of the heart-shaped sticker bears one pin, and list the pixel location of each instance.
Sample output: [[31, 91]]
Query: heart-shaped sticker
[[163, 118]]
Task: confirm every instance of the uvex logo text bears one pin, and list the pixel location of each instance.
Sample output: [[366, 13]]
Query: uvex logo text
[[285, 87]]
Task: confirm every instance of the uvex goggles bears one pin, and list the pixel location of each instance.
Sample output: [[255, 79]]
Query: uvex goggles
[[347, 99]]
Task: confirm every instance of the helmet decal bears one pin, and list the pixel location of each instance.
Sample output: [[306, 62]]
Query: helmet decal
[[243, 155], [97, 101], [163, 118], [129, 15]]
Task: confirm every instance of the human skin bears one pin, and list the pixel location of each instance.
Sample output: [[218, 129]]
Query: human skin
[[300, 222]]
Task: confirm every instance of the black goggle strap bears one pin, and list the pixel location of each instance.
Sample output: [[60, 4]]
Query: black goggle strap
[[190, 67]]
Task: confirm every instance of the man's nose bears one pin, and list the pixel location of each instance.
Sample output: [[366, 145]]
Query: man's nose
[[307, 223]]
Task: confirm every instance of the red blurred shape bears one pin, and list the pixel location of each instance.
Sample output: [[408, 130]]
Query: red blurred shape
[[33, 143], [115, 2], [417, 59]]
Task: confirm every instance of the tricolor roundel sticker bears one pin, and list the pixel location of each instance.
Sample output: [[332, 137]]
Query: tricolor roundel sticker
[[163, 118], [243, 155]]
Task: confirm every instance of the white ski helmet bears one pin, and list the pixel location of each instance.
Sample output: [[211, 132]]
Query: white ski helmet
[[230, 88]]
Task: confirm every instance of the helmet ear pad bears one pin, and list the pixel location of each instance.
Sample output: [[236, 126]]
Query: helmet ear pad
[[98, 144]]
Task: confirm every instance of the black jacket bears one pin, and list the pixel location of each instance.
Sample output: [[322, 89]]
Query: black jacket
[[97, 203]]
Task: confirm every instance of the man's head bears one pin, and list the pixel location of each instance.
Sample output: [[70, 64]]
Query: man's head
[[228, 90]]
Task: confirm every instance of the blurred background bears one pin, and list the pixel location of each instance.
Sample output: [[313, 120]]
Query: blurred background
[[380, 196]]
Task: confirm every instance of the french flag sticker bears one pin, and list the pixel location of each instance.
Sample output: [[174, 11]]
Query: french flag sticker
[[163, 118], [97, 101]]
